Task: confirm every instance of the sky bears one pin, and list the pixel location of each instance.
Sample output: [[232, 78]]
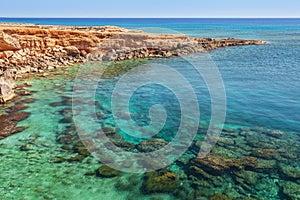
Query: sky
[[150, 8]]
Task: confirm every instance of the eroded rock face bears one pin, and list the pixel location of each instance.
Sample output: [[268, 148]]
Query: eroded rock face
[[8, 43]]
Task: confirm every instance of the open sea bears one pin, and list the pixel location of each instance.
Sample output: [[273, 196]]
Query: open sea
[[262, 85]]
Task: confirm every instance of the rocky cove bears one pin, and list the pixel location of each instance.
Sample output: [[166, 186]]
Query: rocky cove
[[47, 160]]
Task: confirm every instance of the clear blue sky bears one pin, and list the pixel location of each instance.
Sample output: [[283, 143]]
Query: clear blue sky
[[150, 8]]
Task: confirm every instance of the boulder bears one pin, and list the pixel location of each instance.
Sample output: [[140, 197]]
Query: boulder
[[7, 84]]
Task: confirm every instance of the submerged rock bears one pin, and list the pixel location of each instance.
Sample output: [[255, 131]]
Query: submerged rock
[[17, 107], [151, 145], [198, 172], [291, 190], [125, 145], [19, 116], [8, 123], [111, 133], [265, 153], [160, 181], [27, 100], [275, 133], [289, 172], [66, 112], [66, 120], [109, 130], [81, 149], [265, 166], [27, 147], [107, 172], [67, 139], [216, 164], [76, 158], [246, 178]]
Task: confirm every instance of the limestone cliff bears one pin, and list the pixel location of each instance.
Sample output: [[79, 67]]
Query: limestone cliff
[[26, 48]]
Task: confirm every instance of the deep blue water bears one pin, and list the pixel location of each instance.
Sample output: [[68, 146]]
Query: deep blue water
[[262, 82]]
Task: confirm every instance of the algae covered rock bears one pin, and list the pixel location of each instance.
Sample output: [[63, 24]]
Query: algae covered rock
[[81, 149], [107, 172], [109, 130], [290, 172], [265, 153], [291, 190], [125, 145], [216, 164], [198, 172], [160, 181], [152, 145]]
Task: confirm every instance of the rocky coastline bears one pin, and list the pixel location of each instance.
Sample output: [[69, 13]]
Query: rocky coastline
[[247, 162], [28, 48]]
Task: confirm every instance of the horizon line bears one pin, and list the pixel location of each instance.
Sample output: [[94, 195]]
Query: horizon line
[[208, 17]]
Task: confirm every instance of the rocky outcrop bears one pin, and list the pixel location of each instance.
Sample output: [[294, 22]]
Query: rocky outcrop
[[26, 48], [7, 84], [8, 43]]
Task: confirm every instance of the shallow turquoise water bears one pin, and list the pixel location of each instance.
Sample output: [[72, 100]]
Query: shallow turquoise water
[[262, 86]]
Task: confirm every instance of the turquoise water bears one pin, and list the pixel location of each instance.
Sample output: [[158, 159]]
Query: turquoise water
[[269, 96], [262, 87]]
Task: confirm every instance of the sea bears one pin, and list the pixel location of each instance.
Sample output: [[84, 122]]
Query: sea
[[262, 97]]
